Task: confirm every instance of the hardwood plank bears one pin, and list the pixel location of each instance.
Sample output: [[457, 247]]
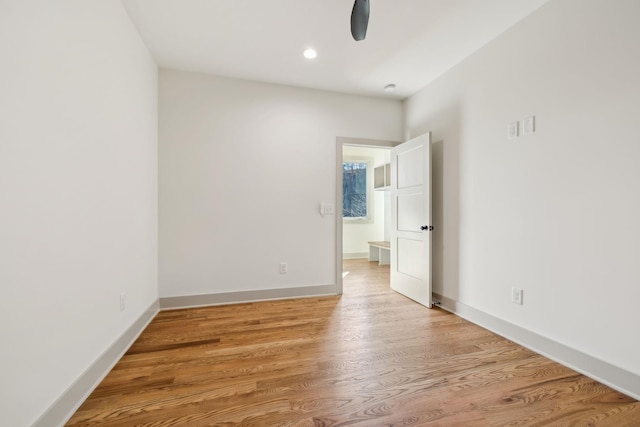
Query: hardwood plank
[[370, 357]]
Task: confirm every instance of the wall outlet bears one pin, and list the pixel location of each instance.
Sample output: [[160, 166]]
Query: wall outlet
[[123, 301], [284, 269], [516, 296]]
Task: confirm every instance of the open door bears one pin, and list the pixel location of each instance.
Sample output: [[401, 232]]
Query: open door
[[411, 219]]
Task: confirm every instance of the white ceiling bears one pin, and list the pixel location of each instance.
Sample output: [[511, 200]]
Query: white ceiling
[[409, 42]]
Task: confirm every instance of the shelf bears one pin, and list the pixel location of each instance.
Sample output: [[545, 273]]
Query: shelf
[[380, 251], [382, 177]]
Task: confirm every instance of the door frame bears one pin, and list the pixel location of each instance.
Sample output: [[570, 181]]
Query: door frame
[[340, 143]]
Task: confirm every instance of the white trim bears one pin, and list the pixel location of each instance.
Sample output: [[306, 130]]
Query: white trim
[[204, 300], [617, 378], [356, 255], [68, 403]]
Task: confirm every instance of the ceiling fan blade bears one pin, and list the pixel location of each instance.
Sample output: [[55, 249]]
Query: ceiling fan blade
[[359, 19]]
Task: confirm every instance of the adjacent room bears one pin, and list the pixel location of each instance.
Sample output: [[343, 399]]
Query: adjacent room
[[366, 203], [299, 212]]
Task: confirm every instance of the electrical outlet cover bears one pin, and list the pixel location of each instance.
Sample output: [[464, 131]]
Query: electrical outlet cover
[[283, 268], [516, 296]]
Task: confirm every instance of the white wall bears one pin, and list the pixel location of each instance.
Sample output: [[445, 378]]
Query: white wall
[[356, 235], [243, 169], [554, 213], [78, 192]]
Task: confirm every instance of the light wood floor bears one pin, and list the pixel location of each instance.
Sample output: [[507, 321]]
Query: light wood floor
[[368, 358]]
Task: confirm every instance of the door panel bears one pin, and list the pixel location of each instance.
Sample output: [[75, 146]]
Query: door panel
[[410, 258], [410, 210], [410, 214], [410, 168]]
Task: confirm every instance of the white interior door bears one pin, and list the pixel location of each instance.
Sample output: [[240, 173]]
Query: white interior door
[[411, 219]]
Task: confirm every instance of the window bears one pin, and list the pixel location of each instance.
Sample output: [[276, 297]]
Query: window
[[356, 190]]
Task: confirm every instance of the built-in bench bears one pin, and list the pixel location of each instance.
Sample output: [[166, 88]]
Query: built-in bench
[[380, 251]]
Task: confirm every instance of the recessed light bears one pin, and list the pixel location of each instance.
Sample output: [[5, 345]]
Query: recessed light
[[390, 87], [310, 53]]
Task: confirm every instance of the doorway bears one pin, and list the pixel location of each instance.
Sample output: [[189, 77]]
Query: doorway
[[363, 224]]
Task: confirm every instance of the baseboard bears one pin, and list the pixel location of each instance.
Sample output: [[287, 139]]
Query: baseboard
[[617, 378], [188, 301], [355, 255], [67, 404]]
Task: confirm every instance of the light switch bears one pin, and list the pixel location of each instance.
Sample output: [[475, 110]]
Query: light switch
[[512, 130], [327, 209], [529, 125]]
